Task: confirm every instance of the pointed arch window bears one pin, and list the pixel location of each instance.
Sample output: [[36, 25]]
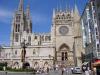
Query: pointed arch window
[[47, 38], [69, 17], [35, 37], [64, 52], [18, 18], [16, 37], [17, 28], [64, 56], [63, 16], [29, 40], [16, 52], [42, 38], [34, 52], [58, 17]]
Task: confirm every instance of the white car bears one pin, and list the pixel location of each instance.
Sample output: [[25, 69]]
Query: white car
[[77, 70]]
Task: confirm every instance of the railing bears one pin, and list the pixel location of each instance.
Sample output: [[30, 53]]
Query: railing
[[98, 54], [28, 58]]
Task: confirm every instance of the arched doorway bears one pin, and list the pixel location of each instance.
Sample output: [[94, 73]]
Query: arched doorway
[[36, 65], [62, 55], [26, 65], [46, 65], [16, 65]]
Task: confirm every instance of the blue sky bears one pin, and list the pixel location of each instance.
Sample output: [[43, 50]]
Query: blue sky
[[41, 13]]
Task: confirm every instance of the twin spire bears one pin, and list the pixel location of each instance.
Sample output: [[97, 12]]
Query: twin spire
[[21, 8], [28, 12]]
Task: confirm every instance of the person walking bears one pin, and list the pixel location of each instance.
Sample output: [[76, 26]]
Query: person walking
[[62, 72], [47, 70], [87, 72]]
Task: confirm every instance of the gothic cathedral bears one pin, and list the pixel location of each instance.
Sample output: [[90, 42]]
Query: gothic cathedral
[[61, 46]]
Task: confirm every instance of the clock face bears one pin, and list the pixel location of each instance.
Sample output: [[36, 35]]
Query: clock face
[[63, 30]]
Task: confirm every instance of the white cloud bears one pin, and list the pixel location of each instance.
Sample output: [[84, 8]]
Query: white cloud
[[5, 15]]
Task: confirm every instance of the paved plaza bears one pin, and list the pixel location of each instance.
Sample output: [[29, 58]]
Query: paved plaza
[[28, 73]]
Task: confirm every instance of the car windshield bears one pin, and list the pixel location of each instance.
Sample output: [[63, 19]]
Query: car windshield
[[77, 68]]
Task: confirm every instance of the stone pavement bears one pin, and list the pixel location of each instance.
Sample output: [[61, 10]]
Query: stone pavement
[[58, 73], [29, 73]]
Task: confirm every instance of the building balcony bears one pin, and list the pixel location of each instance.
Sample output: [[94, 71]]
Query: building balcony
[[98, 55]]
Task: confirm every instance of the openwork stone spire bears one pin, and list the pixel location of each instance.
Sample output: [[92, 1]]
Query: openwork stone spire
[[21, 5], [76, 12], [28, 12], [67, 5]]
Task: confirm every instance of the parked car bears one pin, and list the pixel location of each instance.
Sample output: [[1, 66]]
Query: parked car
[[77, 70]]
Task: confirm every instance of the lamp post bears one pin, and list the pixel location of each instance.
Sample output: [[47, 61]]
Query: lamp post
[[0, 50], [23, 53]]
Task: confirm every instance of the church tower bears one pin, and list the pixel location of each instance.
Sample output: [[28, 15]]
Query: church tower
[[21, 25], [62, 30], [77, 38], [65, 27]]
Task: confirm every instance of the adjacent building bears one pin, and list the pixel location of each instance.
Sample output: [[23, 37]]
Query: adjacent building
[[91, 31]]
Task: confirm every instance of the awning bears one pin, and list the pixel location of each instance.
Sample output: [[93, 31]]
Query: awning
[[85, 63], [96, 64]]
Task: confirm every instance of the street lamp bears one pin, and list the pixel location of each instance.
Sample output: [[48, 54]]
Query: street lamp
[[1, 50], [23, 53]]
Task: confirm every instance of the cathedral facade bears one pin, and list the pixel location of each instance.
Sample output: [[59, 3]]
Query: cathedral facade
[[61, 46]]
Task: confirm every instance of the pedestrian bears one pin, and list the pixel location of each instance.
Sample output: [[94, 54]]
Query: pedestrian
[[47, 70], [62, 71], [90, 72], [4, 68], [6, 72], [54, 68], [94, 71], [87, 72], [66, 71]]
